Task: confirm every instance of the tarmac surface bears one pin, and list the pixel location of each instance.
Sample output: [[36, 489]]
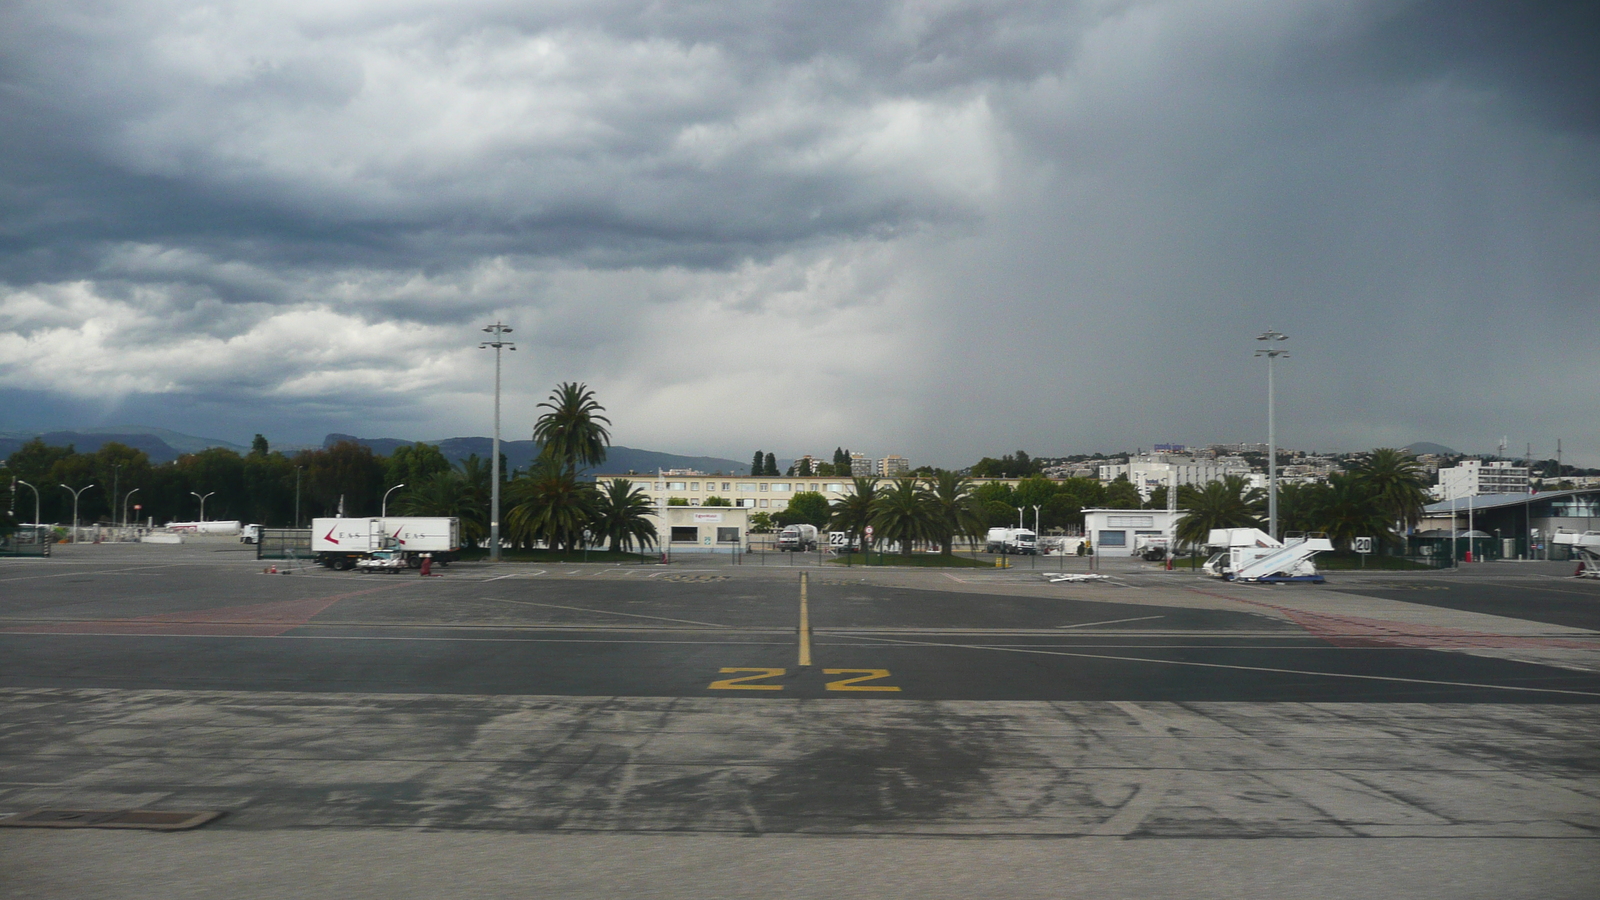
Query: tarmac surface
[[1442, 727]]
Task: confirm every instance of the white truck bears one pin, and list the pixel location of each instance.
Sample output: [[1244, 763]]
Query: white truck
[[210, 527], [250, 534], [341, 543], [798, 537], [1016, 541]]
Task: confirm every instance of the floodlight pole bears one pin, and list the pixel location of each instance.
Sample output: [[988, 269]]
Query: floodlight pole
[[1272, 430], [497, 334]]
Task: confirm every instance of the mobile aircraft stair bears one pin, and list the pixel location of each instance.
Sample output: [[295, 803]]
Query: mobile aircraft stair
[[1587, 548], [1249, 554]]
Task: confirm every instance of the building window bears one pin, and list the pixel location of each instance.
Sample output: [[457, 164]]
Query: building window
[[746, 502], [724, 485], [763, 503], [764, 486], [1107, 538], [835, 488], [727, 535], [694, 501], [694, 485], [780, 486], [677, 485], [686, 534], [1131, 521], [746, 487]]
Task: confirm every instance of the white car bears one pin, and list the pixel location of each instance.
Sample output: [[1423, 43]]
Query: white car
[[382, 561]]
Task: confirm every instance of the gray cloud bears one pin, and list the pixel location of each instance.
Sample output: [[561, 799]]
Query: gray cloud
[[960, 227]]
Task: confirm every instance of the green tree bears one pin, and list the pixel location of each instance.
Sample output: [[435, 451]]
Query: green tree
[[954, 510], [621, 515], [714, 500], [551, 505], [760, 523], [852, 512], [758, 465], [347, 470], [414, 464], [446, 494], [571, 432], [1299, 506], [1394, 480], [1229, 503], [1121, 494], [805, 508], [1350, 508], [258, 445], [904, 514], [771, 465]]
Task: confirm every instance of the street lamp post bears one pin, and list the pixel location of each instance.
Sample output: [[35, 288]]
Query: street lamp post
[[497, 333], [75, 495], [386, 494], [35, 502], [202, 504], [297, 495], [125, 499], [1272, 353]]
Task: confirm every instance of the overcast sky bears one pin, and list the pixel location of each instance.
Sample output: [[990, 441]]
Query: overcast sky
[[939, 229]]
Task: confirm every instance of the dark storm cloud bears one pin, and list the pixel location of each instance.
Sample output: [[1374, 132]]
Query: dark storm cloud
[[308, 205]]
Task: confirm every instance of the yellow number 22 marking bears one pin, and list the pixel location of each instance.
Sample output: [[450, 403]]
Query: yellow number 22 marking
[[854, 684], [741, 683]]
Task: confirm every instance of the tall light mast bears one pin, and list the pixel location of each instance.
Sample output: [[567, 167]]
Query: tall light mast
[[497, 334], [1271, 353]]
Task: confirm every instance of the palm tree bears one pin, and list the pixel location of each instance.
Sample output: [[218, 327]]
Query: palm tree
[[853, 512], [1229, 503], [1394, 480], [1349, 509], [570, 432], [1298, 505], [620, 515], [550, 505], [954, 509], [447, 494], [904, 514]]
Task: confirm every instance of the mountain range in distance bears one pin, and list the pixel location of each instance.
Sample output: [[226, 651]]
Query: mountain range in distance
[[164, 445]]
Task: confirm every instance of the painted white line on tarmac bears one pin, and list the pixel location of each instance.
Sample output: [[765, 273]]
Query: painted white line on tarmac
[[1177, 662], [1111, 622], [607, 612]]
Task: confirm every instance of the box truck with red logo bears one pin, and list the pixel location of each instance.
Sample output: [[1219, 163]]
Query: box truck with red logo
[[340, 543]]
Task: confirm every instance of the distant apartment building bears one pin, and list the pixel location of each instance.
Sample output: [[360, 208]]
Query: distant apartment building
[[1153, 470], [893, 466], [1471, 477], [861, 466]]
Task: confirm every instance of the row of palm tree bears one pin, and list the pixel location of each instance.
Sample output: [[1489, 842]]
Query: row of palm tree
[[1379, 497], [910, 511]]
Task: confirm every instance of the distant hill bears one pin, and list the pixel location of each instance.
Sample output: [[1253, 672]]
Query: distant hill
[[1421, 447], [160, 444], [519, 454]]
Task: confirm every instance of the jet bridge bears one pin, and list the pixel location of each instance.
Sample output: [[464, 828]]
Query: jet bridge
[[1250, 554]]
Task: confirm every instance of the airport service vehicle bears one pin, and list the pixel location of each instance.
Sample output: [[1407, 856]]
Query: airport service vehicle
[[798, 537], [1019, 541], [250, 534], [388, 561], [1250, 554], [340, 543], [1151, 547], [1585, 546], [204, 527]]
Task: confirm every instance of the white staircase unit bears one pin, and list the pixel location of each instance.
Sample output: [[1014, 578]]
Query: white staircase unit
[[1292, 560]]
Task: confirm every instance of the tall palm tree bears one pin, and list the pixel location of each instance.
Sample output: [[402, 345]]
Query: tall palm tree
[[1394, 479], [570, 432], [1298, 505], [853, 512], [550, 505], [447, 494], [1349, 510], [954, 509], [1229, 503], [620, 515], [903, 514]]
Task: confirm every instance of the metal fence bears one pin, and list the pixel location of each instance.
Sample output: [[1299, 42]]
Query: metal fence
[[27, 541], [284, 543]]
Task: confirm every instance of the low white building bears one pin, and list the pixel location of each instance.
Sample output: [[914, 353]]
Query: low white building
[[1116, 532], [703, 530]]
